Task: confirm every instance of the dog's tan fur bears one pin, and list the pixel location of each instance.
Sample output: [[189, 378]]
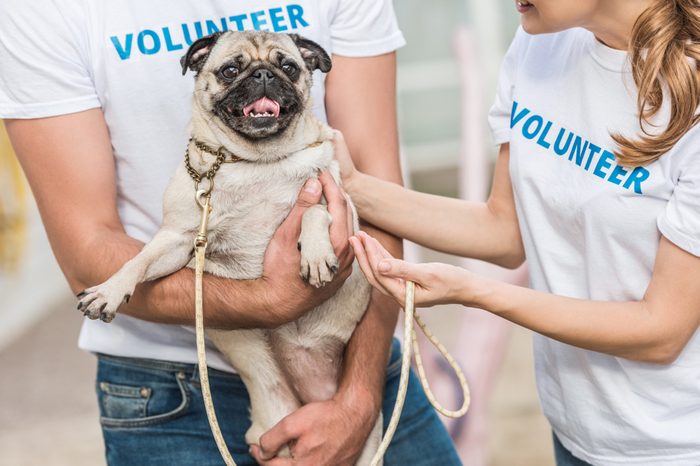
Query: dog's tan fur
[[296, 363]]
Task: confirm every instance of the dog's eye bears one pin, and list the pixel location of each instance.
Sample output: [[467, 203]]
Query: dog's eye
[[229, 72], [289, 68]]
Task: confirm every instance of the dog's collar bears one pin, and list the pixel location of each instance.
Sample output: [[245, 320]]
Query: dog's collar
[[229, 157], [222, 156]]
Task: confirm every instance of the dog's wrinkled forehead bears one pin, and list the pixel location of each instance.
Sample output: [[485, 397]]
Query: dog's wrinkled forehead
[[253, 47], [250, 46]]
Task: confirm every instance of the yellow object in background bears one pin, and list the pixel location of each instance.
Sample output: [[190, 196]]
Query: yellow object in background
[[13, 207]]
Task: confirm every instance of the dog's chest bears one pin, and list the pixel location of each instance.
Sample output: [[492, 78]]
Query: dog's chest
[[249, 203]]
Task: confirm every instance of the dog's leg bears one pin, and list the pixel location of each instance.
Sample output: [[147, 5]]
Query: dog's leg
[[318, 261], [271, 397], [166, 253]]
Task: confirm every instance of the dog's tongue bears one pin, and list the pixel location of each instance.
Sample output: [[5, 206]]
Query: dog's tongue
[[262, 106]]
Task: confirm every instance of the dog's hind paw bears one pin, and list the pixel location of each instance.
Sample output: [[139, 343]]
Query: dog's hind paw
[[102, 301]]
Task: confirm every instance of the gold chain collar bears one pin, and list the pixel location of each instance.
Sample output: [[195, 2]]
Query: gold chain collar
[[222, 156]]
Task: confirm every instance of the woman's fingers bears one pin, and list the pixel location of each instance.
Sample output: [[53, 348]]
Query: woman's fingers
[[385, 264], [361, 256], [375, 254]]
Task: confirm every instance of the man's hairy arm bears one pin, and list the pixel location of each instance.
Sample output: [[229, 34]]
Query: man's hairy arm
[[69, 163], [361, 102]]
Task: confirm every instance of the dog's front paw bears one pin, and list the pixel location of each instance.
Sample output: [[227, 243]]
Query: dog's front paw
[[318, 265], [102, 301]]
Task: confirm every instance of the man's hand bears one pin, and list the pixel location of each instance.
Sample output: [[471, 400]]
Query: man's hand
[[326, 433], [288, 295]]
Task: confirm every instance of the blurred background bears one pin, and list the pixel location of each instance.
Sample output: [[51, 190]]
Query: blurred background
[[446, 81]]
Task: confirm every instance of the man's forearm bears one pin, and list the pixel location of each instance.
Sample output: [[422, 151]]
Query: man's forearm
[[366, 357], [170, 300]]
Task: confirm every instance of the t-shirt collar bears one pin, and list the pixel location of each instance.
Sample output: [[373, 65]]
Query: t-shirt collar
[[609, 58]]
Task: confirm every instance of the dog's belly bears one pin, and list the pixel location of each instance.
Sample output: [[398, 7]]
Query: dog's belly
[[310, 350], [311, 367]]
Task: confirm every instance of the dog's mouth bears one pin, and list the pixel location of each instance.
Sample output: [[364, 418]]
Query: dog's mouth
[[264, 107], [258, 116]]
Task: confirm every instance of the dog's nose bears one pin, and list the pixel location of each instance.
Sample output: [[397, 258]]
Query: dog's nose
[[263, 76]]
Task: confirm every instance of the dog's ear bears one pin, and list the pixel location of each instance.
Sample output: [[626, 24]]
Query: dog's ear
[[313, 54], [198, 53]]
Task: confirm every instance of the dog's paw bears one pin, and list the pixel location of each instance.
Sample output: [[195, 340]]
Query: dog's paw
[[102, 301], [318, 265]]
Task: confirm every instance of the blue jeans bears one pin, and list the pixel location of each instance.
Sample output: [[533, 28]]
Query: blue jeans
[[152, 414], [564, 457]]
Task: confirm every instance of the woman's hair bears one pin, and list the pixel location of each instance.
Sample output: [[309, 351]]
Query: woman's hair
[[665, 55]]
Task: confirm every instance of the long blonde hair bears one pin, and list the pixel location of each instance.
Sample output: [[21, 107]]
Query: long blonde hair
[[665, 55]]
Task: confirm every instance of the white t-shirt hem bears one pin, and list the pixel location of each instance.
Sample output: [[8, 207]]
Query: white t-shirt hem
[[690, 459], [92, 340], [501, 136], [353, 48], [49, 109]]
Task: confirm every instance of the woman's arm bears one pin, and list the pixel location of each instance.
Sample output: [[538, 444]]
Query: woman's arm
[[69, 164], [655, 329], [488, 231]]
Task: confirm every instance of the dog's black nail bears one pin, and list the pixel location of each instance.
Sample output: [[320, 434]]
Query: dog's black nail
[[334, 268], [299, 246], [83, 305], [127, 298], [81, 294]]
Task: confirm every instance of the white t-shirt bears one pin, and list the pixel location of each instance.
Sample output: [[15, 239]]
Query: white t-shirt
[[59, 57], [591, 230]]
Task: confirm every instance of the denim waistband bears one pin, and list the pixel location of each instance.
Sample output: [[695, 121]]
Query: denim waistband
[[393, 367]]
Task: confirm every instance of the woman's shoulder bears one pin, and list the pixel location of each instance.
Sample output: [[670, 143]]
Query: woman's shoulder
[[686, 152]]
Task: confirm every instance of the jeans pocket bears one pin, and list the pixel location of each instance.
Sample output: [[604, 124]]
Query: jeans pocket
[[123, 401], [127, 406]]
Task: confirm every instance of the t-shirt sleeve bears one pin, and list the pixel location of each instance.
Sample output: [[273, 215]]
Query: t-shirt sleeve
[[43, 60], [365, 28], [680, 221], [499, 115]]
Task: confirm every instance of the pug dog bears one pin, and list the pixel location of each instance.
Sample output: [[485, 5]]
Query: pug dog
[[252, 102]]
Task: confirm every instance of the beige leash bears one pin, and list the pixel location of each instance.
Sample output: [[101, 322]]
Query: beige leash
[[200, 248], [409, 334], [203, 198]]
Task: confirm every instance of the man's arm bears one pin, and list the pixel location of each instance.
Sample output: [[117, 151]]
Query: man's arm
[[361, 103], [69, 164]]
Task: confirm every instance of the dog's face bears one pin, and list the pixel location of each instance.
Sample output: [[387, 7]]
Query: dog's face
[[255, 83]]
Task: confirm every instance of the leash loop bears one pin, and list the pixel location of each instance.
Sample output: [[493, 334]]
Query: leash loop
[[409, 335], [200, 194]]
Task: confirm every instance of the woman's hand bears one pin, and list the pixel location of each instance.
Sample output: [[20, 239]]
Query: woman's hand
[[435, 283], [348, 172]]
